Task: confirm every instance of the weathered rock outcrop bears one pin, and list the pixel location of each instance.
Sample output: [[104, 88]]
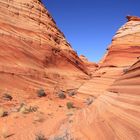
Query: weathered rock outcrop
[[128, 83], [125, 47], [114, 88], [35, 54], [113, 115], [31, 46]]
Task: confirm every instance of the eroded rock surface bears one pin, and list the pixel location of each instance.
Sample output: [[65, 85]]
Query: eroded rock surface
[[33, 51], [125, 47], [112, 115], [35, 54]]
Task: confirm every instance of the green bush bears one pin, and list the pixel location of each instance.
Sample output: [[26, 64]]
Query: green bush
[[41, 93], [27, 109], [70, 105], [40, 137], [72, 93]]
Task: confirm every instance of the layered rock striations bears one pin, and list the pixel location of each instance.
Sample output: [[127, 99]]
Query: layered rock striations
[[114, 114], [114, 89], [35, 54], [125, 47], [31, 46], [129, 82]]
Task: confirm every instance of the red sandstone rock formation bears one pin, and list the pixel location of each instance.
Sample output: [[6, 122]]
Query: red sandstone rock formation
[[114, 88], [34, 53], [113, 115], [129, 82], [125, 47], [32, 49]]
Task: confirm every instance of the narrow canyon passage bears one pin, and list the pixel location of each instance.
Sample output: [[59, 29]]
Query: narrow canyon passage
[[49, 92]]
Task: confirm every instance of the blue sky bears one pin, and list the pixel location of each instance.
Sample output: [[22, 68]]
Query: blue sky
[[89, 25]]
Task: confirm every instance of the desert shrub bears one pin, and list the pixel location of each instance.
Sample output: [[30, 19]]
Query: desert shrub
[[125, 70], [70, 105], [27, 109], [61, 95], [7, 97], [65, 136], [40, 137], [89, 101], [71, 93], [32, 108], [41, 93], [23, 110]]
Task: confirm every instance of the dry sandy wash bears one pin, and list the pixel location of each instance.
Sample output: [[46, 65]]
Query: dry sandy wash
[[48, 92]]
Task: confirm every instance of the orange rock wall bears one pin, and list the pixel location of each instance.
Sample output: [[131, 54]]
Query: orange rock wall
[[125, 47]]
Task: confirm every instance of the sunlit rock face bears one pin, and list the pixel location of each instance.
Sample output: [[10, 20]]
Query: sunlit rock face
[[129, 82], [34, 54], [31, 46], [114, 87], [114, 114], [125, 47]]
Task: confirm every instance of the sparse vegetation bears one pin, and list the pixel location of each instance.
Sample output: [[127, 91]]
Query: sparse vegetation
[[125, 70], [41, 93], [27, 109], [32, 108], [61, 95], [23, 110], [71, 93], [89, 101], [40, 136], [65, 136], [70, 105]]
